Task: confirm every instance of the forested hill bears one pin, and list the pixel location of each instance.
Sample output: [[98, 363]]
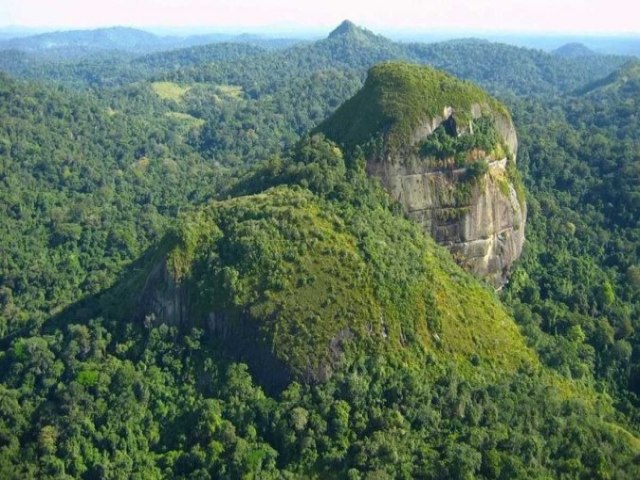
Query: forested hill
[[191, 172], [501, 68], [573, 50], [622, 80], [116, 38], [580, 162]]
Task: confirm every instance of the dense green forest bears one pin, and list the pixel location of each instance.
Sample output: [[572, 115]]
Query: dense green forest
[[576, 290], [109, 162]]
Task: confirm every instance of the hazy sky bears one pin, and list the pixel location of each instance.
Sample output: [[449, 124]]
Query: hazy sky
[[568, 16]]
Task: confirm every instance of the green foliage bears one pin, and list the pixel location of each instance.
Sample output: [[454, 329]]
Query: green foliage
[[320, 276], [89, 188], [575, 290], [376, 418], [169, 90], [397, 99], [481, 136], [477, 170]]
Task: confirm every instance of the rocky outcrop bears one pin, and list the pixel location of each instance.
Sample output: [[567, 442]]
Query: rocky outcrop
[[482, 227], [471, 200], [163, 300]]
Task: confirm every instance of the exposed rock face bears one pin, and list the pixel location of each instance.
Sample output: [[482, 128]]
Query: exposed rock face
[[459, 182], [163, 300], [483, 226]]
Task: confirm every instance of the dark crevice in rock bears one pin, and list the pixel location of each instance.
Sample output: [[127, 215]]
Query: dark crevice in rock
[[450, 126]]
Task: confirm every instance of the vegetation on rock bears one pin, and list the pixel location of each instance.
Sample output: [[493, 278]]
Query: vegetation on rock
[[397, 99]]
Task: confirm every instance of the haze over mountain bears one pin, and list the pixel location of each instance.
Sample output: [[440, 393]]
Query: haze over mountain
[[84, 42], [141, 40]]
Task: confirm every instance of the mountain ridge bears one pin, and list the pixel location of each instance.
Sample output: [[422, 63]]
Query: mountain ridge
[[103, 38], [80, 43], [627, 74]]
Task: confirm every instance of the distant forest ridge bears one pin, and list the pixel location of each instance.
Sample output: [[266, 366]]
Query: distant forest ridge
[[167, 38]]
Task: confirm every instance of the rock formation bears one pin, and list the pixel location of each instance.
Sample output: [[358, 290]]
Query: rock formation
[[468, 198]]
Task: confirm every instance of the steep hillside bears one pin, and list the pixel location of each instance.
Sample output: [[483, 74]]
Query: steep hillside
[[446, 151], [308, 282], [625, 80]]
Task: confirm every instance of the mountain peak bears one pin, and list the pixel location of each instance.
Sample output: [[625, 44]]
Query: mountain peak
[[399, 114], [396, 99], [347, 27], [573, 50]]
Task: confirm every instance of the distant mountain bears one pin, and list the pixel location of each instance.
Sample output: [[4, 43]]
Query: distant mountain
[[115, 38], [503, 68], [573, 50], [349, 46], [82, 43], [7, 33], [349, 29]]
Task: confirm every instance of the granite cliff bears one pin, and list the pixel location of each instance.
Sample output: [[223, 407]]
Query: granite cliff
[[446, 151]]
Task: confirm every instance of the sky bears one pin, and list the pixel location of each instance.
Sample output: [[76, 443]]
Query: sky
[[521, 16]]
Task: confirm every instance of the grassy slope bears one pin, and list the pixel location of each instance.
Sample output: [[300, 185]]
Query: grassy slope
[[169, 90]]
